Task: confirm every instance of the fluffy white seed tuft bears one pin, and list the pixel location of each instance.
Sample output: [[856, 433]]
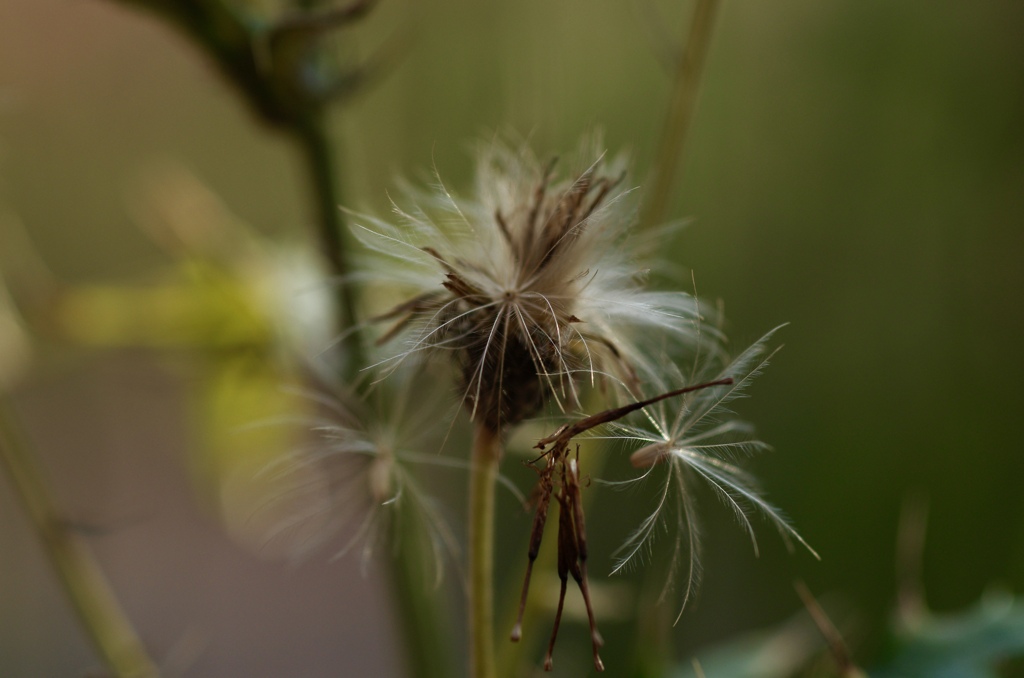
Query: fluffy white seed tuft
[[530, 284]]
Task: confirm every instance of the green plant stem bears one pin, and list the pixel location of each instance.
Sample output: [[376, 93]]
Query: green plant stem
[[482, 483], [268, 81], [419, 609], [98, 610], [418, 613], [652, 649], [242, 50], [321, 163], [680, 114]]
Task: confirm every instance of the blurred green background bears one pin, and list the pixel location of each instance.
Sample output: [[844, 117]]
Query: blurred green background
[[856, 168]]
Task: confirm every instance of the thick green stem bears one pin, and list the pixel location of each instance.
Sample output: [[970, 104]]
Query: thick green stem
[[94, 602], [482, 482], [680, 115]]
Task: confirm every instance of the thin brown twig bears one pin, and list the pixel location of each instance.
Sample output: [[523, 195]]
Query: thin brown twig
[[834, 640]]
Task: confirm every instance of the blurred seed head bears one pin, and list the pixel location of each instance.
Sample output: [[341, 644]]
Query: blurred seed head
[[356, 477]]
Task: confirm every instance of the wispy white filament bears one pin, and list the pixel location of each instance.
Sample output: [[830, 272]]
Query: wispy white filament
[[574, 302], [695, 440]]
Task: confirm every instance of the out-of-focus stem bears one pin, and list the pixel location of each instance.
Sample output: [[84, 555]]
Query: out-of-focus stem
[[680, 114], [239, 46], [321, 163], [482, 482], [94, 602], [420, 611]]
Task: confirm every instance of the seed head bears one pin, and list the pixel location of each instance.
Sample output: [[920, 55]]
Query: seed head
[[355, 473], [529, 284]]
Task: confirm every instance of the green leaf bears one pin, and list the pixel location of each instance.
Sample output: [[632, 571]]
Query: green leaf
[[968, 645]]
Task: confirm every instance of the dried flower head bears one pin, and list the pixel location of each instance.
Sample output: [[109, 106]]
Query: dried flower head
[[531, 286], [527, 284]]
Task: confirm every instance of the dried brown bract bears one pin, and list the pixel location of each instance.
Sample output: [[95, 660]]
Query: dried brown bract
[[572, 533]]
